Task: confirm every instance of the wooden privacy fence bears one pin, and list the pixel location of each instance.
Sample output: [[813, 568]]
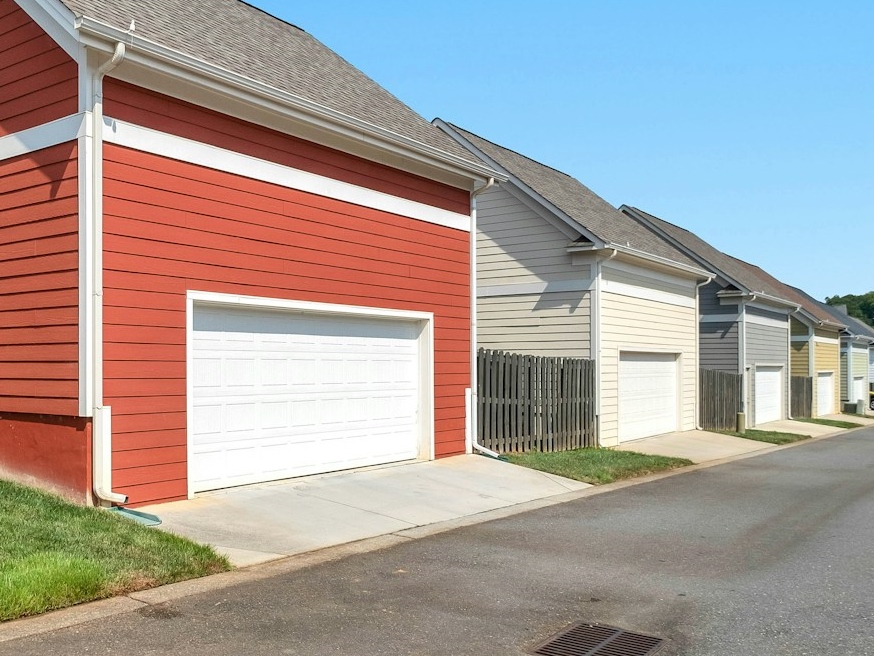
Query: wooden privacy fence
[[534, 403], [720, 399], [801, 396]]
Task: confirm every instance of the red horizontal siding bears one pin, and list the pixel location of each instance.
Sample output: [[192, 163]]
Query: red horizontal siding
[[171, 227], [38, 80], [39, 297], [143, 107]]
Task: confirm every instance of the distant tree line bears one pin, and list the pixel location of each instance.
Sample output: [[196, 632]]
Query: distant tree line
[[861, 307]]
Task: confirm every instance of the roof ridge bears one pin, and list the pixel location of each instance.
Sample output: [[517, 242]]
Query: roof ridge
[[272, 16]]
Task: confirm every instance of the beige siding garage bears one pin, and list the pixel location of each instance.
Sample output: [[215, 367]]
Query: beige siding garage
[[646, 313]]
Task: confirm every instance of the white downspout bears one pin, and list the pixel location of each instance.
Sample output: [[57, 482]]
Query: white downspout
[[471, 437], [698, 351], [101, 434]]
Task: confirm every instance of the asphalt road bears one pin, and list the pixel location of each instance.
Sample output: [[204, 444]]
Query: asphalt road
[[769, 555]]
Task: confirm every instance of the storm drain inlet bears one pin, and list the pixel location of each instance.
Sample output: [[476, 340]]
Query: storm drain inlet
[[599, 640]]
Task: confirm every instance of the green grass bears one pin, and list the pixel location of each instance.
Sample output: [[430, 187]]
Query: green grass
[[828, 422], [773, 437], [55, 554], [596, 466]]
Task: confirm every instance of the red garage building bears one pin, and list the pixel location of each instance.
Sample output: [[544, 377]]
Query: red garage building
[[226, 255]]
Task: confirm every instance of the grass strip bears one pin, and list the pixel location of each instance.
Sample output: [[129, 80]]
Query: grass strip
[[772, 437], [55, 554], [837, 423], [595, 465]]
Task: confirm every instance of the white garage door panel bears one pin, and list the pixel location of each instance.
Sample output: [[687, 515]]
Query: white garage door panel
[[825, 394], [279, 394], [647, 395], [859, 387], [769, 394]]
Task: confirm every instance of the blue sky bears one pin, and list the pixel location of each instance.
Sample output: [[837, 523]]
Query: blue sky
[[749, 123]]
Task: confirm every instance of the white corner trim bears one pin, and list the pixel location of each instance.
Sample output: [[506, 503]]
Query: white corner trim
[[625, 289], [719, 318], [201, 154], [766, 321], [43, 136], [531, 288]]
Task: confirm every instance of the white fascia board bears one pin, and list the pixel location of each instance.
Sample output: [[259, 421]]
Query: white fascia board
[[634, 291], [160, 58], [636, 267], [57, 21], [42, 136], [194, 152], [773, 304]]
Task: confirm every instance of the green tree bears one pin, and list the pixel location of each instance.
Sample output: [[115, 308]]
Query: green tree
[[859, 306]]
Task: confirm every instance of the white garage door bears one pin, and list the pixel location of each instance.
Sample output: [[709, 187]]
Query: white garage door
[[825, 394], [647, 395], [769, 394], [859, 390], [282, 394]]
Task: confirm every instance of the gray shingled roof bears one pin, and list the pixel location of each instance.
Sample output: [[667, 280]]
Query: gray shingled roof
[[576, 200], [244, 40], [854, 325], [737, 270], [793, 294]]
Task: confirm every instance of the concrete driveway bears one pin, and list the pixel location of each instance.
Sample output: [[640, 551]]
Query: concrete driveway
[[257, 523]]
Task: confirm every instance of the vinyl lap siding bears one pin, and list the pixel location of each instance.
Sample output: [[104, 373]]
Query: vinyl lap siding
[[800, 352], [153, 110], [798, 329], [172, 227], [515, 245], [39, 282], [38, 80], [538, 324], [844, 395], [636, 324], [718, 344], [708, 301], [767, 345]]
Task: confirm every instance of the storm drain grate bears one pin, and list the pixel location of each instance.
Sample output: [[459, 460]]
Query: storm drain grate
[[598, 640]]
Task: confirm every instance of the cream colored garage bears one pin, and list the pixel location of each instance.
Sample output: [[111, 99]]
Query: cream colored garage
[[825, 393], [647, 395], [276, 393]]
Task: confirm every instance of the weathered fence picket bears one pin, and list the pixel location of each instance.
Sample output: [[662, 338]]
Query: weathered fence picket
[[527, 403], [801, 396], [720, 399]]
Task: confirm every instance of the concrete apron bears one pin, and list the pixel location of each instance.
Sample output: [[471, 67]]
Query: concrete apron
[[258, 523], [697, 446]]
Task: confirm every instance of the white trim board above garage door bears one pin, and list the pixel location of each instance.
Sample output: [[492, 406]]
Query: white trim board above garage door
[[278, 389], [768, 394], [648, 395]]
